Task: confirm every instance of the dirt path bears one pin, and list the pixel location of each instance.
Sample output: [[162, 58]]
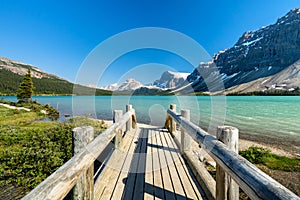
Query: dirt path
[[14, 107]]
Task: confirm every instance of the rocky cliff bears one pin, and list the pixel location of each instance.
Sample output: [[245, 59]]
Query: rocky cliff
[[171, 80], [21, 69], [256, 54]]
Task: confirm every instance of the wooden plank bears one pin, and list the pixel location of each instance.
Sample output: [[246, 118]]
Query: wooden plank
[[178, 187], [116, 184], [255, 183], [131, 178], [166, 176], [122, 179], [149, 179], [59, 183], [206, 181], [141, 168], [106, 181], [157, 174], [189, 186]]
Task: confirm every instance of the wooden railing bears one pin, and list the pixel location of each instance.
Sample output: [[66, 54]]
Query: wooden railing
[[255, 183], [79, 170]]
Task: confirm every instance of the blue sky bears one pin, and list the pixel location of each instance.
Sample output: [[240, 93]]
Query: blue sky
[[58, 35]]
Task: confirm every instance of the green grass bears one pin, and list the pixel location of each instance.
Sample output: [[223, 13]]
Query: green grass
[[259, 155], [31, 150], [282, 163]]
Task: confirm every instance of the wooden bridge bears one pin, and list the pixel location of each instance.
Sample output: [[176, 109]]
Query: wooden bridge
[[136, 161]]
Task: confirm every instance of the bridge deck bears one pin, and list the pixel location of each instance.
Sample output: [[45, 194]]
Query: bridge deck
[[148, 166]]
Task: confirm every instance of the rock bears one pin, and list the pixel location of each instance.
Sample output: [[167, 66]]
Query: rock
[[257, 54], [171, 80]]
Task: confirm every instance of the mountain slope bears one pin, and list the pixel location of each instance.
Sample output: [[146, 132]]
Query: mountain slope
[[287, 79], [11, 75], [171, 80], [256, 54]]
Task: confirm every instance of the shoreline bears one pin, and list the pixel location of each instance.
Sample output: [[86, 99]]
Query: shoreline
[[276, 145]]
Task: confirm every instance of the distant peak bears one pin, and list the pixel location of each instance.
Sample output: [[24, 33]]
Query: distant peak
[[296, 10]]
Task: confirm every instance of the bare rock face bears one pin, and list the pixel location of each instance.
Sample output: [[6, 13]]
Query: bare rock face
[[21, 69], [287, 79], [171, 80], [257, 54]]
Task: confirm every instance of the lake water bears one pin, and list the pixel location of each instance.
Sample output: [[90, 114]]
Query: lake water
[[255, 115]]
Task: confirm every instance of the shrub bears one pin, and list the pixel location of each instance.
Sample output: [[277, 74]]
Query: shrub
[[255, 154], [259, 155]]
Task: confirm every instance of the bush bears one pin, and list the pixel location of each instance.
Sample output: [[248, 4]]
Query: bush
[[255, 154], [30, 155], [259, 155]]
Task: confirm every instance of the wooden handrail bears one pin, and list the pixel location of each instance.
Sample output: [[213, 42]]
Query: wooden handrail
[[255, 183], [58, 184]]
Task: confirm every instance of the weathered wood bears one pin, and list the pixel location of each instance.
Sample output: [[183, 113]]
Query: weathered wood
[[134, 121], [111, 176], [149, 190], [207, 182], [118, 114], [255, 183], [58, 184], [129, 122], [122, 179], [185, 137], [173, 122], [84, 188], [172, 165], [227, 188], [190, 187], [166, 176]]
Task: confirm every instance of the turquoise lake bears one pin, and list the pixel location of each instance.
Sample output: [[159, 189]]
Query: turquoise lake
[[254, 115]]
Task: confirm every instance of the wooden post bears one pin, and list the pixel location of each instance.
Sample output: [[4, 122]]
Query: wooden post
[[129, 122], [185, 138], [173, 123], [84, 188], [227, 188], [118, 114]]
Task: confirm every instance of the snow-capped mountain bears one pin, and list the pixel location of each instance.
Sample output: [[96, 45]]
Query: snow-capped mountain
[[257, 54], [168, 80], [171, 80], [129, 85]]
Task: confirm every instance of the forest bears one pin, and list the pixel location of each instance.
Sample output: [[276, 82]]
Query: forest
[[45, 86]]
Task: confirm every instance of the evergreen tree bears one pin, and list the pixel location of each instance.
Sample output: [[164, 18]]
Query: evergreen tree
[[25, 90]]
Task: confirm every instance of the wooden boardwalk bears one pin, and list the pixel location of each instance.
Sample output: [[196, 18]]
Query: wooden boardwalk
[[145, 163], [147, 166]]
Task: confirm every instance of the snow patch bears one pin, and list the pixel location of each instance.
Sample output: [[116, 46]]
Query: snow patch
[[225, 76], [292, 89], [251, 42]]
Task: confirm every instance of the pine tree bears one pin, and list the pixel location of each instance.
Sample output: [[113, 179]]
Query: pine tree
[[25, 90]]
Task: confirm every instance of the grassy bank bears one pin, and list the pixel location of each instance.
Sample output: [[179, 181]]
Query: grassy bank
[[259, 155], [286, 170], [30, 150]]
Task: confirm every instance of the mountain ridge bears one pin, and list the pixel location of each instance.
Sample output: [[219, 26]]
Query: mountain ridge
[[256, 54], [12, 72]]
